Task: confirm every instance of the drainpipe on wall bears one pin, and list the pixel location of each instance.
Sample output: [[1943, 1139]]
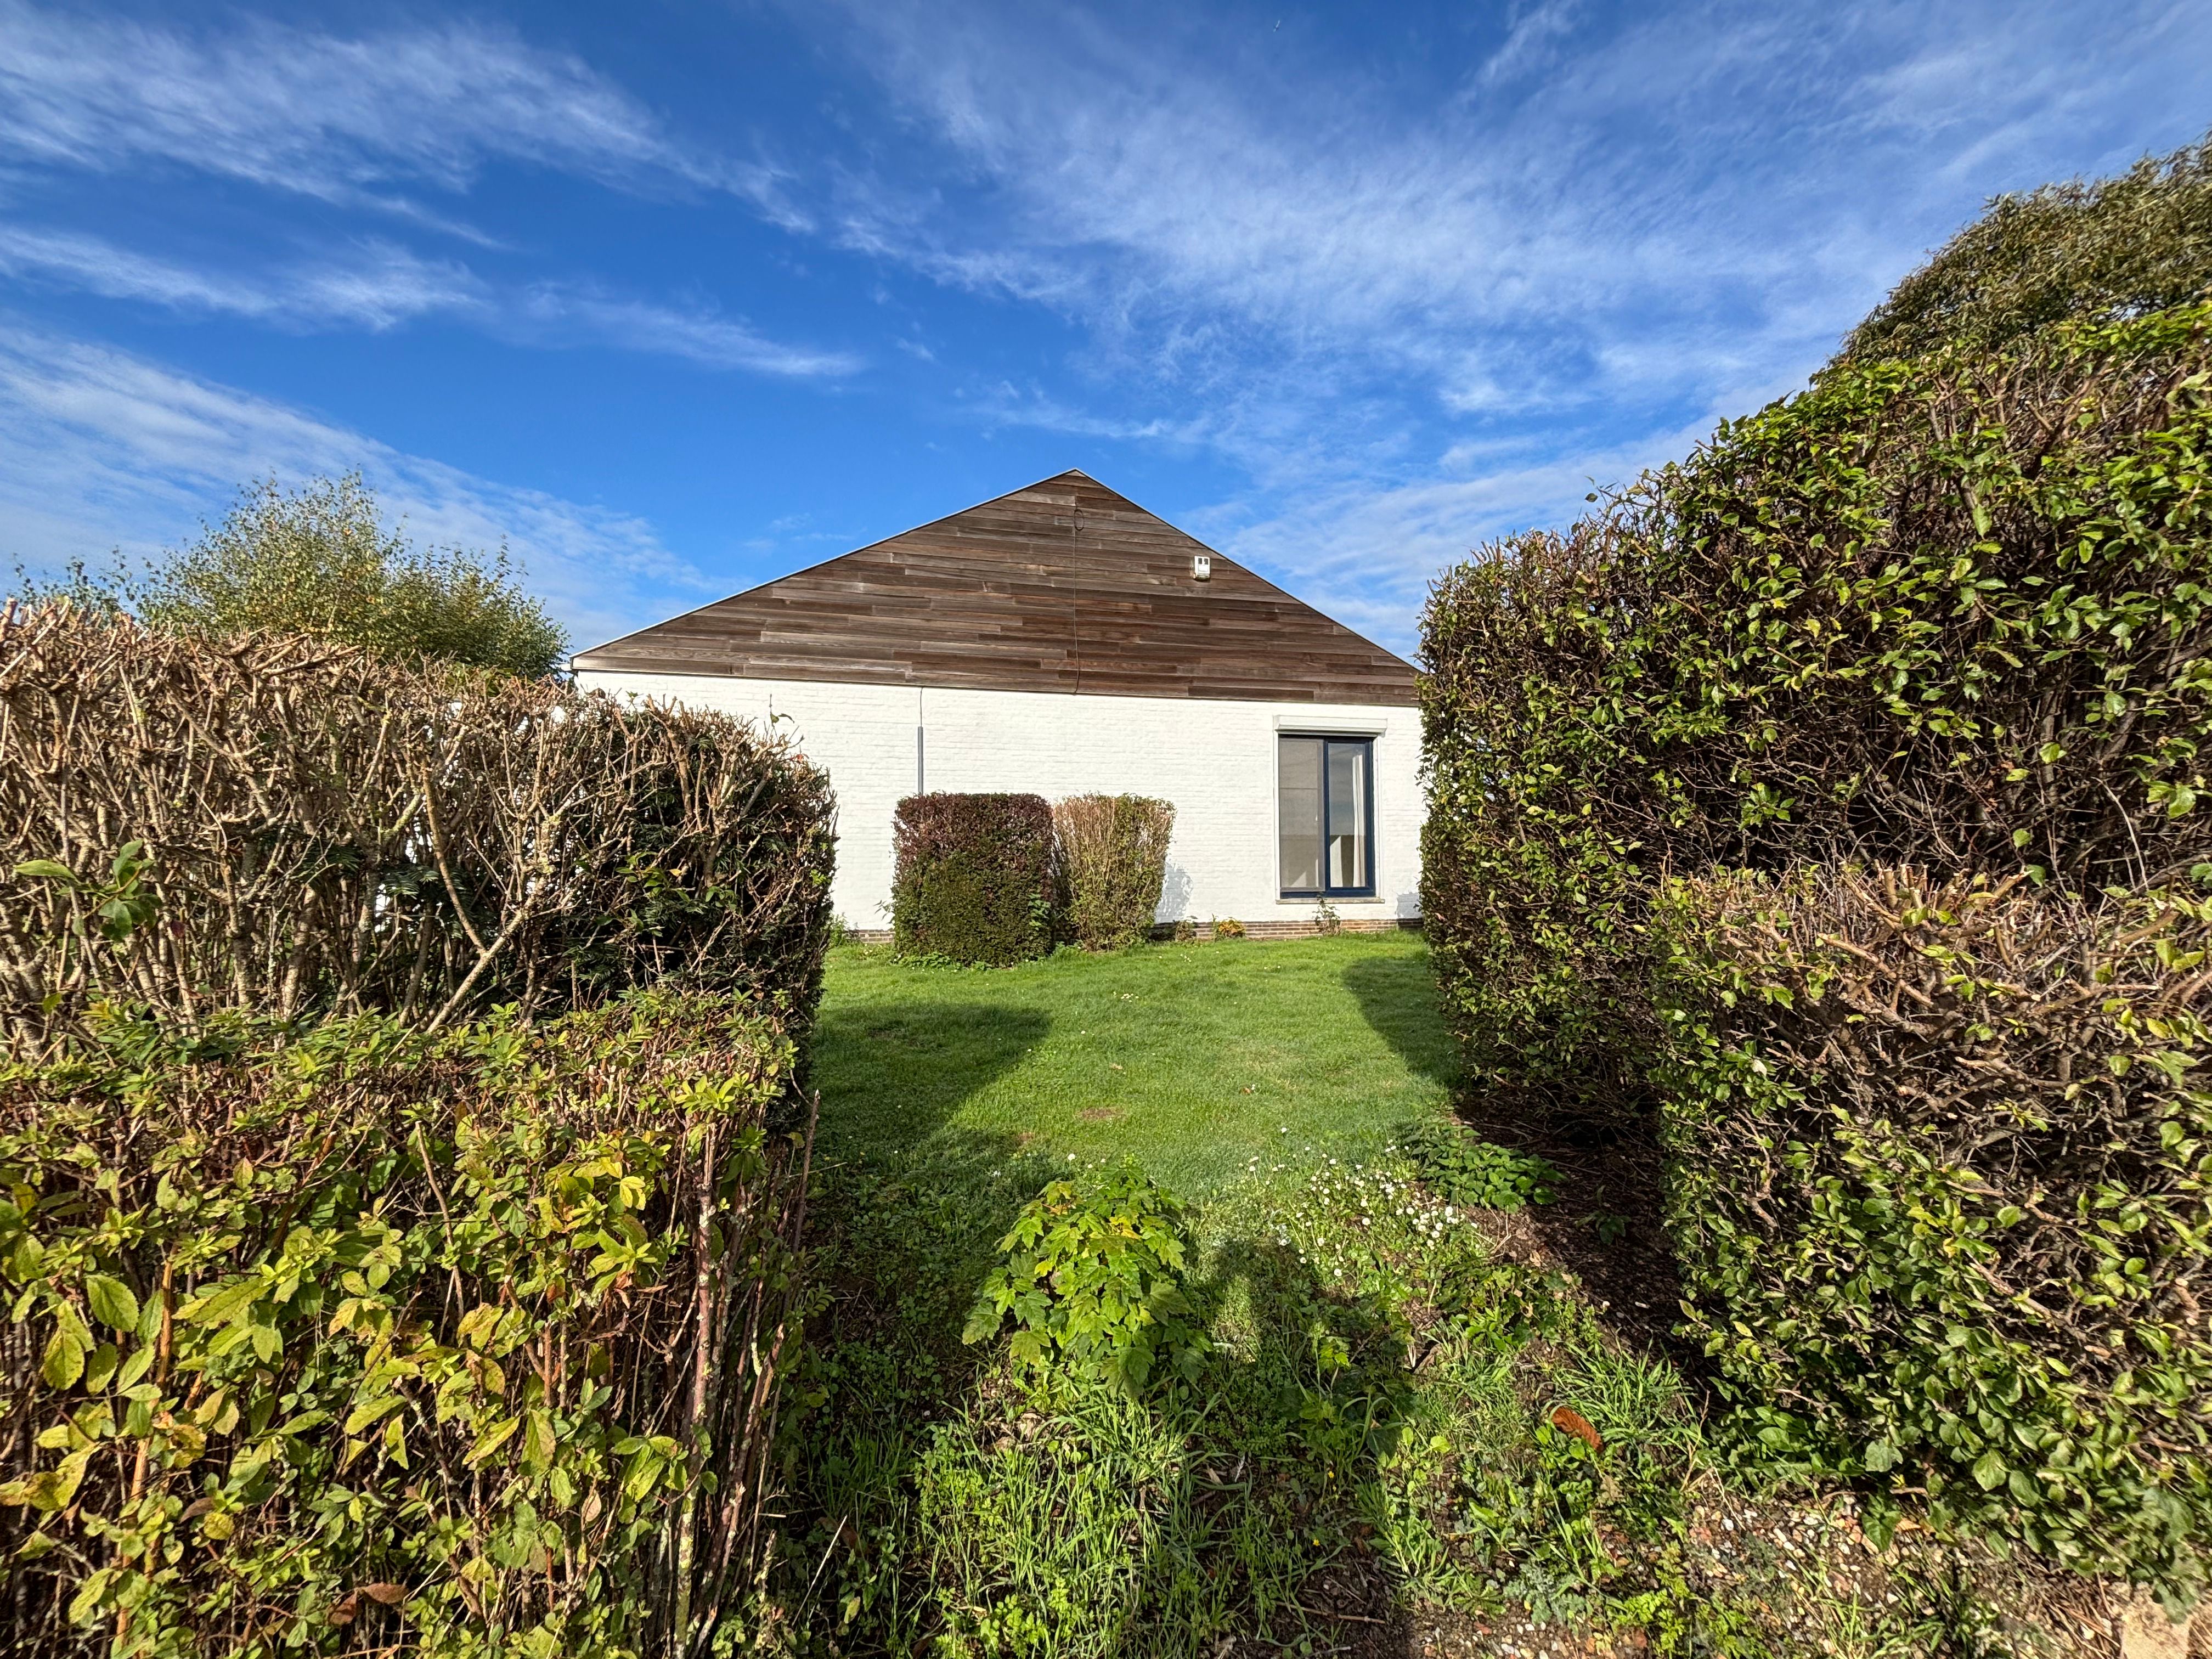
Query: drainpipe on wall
[[920, 770]]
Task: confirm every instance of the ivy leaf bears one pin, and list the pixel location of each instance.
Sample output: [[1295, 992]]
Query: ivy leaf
[[1990, 1471], [113, 1303], [1880, 1455]]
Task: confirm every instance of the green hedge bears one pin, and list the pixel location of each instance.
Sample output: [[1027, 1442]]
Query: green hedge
[[1950, 615], [1953, 612], [374, 1340], [974, 880], [1942, 1191]]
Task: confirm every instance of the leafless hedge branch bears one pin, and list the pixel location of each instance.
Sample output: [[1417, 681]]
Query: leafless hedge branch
[[330, 833]]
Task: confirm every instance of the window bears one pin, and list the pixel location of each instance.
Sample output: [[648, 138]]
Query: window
[[1325, 806]]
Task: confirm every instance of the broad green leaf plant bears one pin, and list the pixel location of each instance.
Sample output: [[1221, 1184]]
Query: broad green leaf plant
[[1093, 1281], [466, 1344]]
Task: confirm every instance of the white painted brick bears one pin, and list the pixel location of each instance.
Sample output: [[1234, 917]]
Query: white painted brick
[[1214, 760]]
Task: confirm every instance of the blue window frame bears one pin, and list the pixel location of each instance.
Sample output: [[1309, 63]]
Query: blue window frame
[[1325, 816]]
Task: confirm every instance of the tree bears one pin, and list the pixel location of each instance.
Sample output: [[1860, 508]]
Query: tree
[[2103, 250], [319, 560]]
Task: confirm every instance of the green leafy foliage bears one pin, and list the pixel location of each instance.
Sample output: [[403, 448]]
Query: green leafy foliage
[[974, 879], [1476, 1173], [1112, 859], [1374, 1433], [370, 1339], [2114, 248], [1093, 1280], [1943, 1185], [1837, 790], [1952, 612], [319, 561]]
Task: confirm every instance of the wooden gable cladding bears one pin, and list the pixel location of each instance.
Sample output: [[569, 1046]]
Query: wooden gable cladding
[[1062, 586]]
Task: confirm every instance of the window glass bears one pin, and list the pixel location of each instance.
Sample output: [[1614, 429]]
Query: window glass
[[1324, 791], [1347, 815], [1299, 798]]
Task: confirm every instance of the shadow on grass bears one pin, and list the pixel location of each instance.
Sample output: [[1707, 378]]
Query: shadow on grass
[[1226, 1513], [1397, 995], [1286, 1443], [1607, 1223], [892, 1076]]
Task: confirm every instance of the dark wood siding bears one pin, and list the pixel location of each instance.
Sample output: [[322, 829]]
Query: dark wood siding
[[1063, 587]]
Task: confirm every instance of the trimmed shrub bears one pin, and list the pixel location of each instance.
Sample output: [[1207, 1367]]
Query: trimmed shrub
[[974, 879], [309, 830], [1942, 1188], [2110, 249], [1113, 853], [376, 1340], [1938, 1182], [1953, 613]]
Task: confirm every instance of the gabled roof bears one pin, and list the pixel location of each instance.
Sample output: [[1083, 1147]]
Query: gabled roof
[[1062, 586]]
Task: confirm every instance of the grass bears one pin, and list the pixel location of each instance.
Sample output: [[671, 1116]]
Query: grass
[[1195, 1059], [1370, 1457]]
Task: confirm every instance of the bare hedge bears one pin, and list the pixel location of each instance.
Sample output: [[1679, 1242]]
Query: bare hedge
[[1942, 1183], [322, 832], [1112, 861]]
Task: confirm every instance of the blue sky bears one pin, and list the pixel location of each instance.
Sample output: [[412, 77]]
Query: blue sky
[[677, 298]]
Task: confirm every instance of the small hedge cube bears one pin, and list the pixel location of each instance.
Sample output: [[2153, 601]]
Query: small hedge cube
[[1113, 864], [975, 878]]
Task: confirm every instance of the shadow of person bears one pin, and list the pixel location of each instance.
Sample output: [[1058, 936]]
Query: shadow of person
[[1397, 996], [1263, 1537], [904, 1222]]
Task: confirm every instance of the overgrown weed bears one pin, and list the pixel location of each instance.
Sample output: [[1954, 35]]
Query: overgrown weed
[[1391, 1423]]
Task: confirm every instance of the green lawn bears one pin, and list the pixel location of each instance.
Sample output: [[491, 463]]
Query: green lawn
[[1370, 1443], [1194, 1058]]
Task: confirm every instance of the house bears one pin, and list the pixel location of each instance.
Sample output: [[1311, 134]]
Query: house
[[1062, 641]]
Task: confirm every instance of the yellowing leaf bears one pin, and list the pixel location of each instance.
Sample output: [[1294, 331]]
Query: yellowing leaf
[[64, 1361], [537, 1442]]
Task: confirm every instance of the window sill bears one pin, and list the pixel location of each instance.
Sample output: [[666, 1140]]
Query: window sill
[[1333, 905]]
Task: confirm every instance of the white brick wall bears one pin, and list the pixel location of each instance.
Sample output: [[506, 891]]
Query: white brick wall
[[1214, 760]]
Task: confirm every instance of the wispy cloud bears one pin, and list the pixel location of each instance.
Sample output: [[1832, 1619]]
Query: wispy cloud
[[1509, 244], [571, 311], [101, 450], [1616, 222], [339, 117], [382, 285], [1366, 555]]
